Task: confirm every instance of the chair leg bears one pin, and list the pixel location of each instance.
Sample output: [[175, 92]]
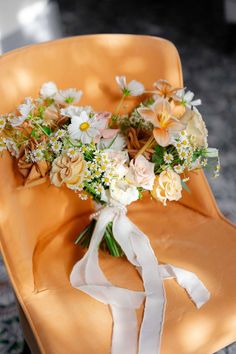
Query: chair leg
[[26, 349]]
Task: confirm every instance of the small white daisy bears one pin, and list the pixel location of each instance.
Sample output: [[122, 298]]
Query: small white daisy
[[83, 195], [183, 134], [56, 146], [179, 169], [183, 154], [60, 133], [99, 189], [168, 158], [41, 146], [37, 155], [72, 152], [204, 162], [53, 139]]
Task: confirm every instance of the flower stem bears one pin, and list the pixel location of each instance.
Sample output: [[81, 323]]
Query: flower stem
[[119, 105], [146, 146]]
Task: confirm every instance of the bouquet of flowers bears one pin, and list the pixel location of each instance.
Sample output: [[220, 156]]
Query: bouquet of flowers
[[114, 158], [111, 157]]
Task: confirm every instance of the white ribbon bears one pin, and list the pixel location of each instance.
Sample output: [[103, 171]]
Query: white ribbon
[[88, 277]]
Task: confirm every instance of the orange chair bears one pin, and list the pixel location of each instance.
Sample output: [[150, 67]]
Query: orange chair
[[38, 225]]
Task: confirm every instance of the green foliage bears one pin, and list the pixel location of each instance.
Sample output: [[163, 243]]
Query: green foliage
[[108, 243], [184, 185], [35, 134], [46, 130]]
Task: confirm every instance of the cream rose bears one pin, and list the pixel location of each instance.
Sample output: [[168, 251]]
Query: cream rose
[[68, 170], [123, 192], [141, 173], [167, 186], [196, 127]]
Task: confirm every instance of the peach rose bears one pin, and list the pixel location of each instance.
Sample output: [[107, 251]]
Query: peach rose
[[167, 186], [141, 173], [68, 170]]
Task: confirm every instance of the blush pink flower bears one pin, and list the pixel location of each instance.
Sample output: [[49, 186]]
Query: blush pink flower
[[141, 173], [104, 131]]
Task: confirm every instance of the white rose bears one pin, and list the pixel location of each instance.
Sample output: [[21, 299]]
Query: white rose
[[167, 186], [123, 192], [141, 173], [48, 90], [195, 127]]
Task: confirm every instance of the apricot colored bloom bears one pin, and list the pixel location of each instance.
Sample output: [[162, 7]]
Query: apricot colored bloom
[[68, 170], [164, 89], [167, 186], [165, 125]]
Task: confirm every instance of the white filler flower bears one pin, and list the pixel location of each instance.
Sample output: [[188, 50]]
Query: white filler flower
[[84, 128], [133, 88]]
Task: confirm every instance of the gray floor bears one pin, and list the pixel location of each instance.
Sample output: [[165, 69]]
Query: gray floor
[[211, 74]]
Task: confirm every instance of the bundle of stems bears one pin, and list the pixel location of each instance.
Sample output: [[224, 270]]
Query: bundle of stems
[[108, 243]]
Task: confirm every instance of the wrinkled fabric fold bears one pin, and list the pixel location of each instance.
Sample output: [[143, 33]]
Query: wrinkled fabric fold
[[88, 277]]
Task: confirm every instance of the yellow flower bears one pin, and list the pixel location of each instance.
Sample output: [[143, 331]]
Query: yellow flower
[[68, 170], [167, 186]]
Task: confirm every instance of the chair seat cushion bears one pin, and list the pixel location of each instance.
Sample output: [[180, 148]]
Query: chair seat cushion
[[179, 236]]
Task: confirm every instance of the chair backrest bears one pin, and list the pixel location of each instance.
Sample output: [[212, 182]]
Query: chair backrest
[[89, 63]]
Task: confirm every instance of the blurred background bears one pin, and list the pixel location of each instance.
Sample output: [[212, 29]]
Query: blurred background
[[205, 35]]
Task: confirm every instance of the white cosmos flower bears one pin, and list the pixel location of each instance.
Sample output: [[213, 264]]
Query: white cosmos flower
[[84, 128], [24, 109], [70, 95], [186, 98], [71, 110], [133, 88], [48, 90]]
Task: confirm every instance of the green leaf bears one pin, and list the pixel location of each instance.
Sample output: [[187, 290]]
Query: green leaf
[[184, 185], [35, 134], [46, 130]]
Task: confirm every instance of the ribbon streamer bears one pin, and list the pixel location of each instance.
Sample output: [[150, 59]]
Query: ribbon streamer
[[88, 277]]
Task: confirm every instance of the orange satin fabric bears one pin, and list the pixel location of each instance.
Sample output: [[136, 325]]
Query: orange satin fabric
[[39, 225]]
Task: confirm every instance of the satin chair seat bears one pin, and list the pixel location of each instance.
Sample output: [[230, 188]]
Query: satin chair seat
[[194, 245], [38, 226]]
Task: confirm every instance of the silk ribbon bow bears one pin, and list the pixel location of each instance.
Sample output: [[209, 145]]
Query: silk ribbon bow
[[88, 277]]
